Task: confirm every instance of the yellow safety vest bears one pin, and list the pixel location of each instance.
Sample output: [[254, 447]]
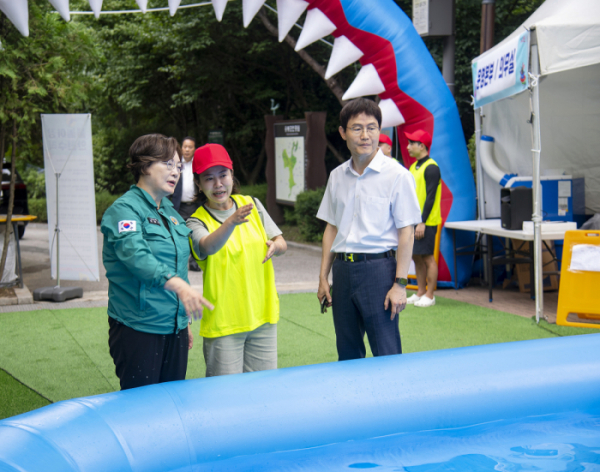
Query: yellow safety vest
[[435, 217], [236, 282]]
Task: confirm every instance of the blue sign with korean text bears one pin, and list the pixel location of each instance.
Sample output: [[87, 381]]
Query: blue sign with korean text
[[502, 72]]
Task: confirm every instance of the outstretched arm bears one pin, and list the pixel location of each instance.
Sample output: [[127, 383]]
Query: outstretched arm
[[275, 247], [212, 243]]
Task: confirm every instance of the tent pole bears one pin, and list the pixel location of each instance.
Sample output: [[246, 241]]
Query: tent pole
[[478, 171], [537, 194]]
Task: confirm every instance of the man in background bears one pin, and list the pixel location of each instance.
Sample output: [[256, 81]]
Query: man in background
[[185, 192], [429, 192], [184, 195]]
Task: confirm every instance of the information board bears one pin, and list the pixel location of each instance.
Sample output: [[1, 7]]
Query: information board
[[68, 152], [290, 160]]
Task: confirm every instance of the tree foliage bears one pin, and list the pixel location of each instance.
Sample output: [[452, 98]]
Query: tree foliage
[[46, 72], [40, 74], [190, 74]]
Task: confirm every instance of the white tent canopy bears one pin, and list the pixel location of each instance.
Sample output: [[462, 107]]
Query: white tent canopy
[[555, 128], [567, 33]]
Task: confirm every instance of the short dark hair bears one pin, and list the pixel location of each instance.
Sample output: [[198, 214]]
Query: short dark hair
[[148, 149], [188, 138], [356, 107]]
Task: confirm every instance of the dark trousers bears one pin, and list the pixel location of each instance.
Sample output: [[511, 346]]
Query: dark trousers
[[145, 358], [359, 291]]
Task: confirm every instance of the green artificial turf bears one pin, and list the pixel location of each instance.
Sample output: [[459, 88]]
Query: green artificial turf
[[16, 398], [63, 353]]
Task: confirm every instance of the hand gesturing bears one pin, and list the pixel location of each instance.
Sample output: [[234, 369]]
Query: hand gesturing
[[240, 215]]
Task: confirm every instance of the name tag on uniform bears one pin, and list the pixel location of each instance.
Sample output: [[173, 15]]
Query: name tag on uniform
[[126, 225], [153, 221]]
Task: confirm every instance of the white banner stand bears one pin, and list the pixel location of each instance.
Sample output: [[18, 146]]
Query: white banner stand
[[70, 196]]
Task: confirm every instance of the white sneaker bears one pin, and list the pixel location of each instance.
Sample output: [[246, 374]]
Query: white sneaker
[[425, 301], [412, 299]]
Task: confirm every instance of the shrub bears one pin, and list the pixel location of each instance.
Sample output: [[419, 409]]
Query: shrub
[[37, 206], [103, 201], [35, 179], [257, 191], [289, 216], [307, 205]]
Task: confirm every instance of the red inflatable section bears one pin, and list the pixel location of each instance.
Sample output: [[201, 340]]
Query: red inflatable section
[[380, 53]]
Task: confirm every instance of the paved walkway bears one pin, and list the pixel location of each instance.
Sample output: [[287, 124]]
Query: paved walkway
[[295, 271]]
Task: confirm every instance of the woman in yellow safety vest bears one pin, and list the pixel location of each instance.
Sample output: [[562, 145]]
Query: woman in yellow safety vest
[[233, 239]]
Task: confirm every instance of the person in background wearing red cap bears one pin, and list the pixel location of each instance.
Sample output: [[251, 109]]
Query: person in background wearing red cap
[[233, 239], [429, 192], [385, 144]]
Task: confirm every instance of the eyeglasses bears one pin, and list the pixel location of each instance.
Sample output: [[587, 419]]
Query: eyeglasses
[[358, 130], [171, 163]]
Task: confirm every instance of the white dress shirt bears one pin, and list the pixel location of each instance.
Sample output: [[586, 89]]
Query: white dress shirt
[[187, 182], [368, 209]]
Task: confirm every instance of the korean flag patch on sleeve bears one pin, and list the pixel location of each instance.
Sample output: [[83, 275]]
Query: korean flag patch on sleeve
[[126, 225]]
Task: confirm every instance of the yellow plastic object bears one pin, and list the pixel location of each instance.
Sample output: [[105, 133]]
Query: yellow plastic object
[[436, 255], [578, 295], [18, 218]]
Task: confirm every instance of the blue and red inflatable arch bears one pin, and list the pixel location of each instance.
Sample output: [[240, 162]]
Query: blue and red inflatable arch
[[413, 81]]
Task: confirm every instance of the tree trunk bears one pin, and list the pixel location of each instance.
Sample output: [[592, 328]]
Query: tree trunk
[[258, 166], [2, 136], [238, 163], [318, 68], [11, 202]]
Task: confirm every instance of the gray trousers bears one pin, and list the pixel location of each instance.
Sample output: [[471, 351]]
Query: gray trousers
[[241, 352]]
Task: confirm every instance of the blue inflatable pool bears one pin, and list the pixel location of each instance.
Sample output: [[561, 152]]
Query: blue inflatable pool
[[531, 405]]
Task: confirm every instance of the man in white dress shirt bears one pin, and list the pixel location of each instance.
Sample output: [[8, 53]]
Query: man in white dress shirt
[[370, 206], [185, 191], [184, 196]]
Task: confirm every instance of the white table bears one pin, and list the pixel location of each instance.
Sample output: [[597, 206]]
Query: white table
[[550, 231]]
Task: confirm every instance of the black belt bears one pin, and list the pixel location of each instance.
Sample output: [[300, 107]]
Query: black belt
[[361, 256]]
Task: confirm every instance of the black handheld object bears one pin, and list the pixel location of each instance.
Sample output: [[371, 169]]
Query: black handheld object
[[324, 301]]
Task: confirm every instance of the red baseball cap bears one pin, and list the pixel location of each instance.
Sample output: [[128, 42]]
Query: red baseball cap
[[208, 156], [420, 136], [384, 138]]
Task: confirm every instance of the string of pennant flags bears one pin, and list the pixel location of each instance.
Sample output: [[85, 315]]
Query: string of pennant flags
[[317, 26]]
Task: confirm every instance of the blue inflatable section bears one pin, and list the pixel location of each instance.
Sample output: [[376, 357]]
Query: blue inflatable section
[[420, 78], [486, 406]]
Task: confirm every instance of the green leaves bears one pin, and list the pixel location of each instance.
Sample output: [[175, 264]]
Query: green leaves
[[44, 73]]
